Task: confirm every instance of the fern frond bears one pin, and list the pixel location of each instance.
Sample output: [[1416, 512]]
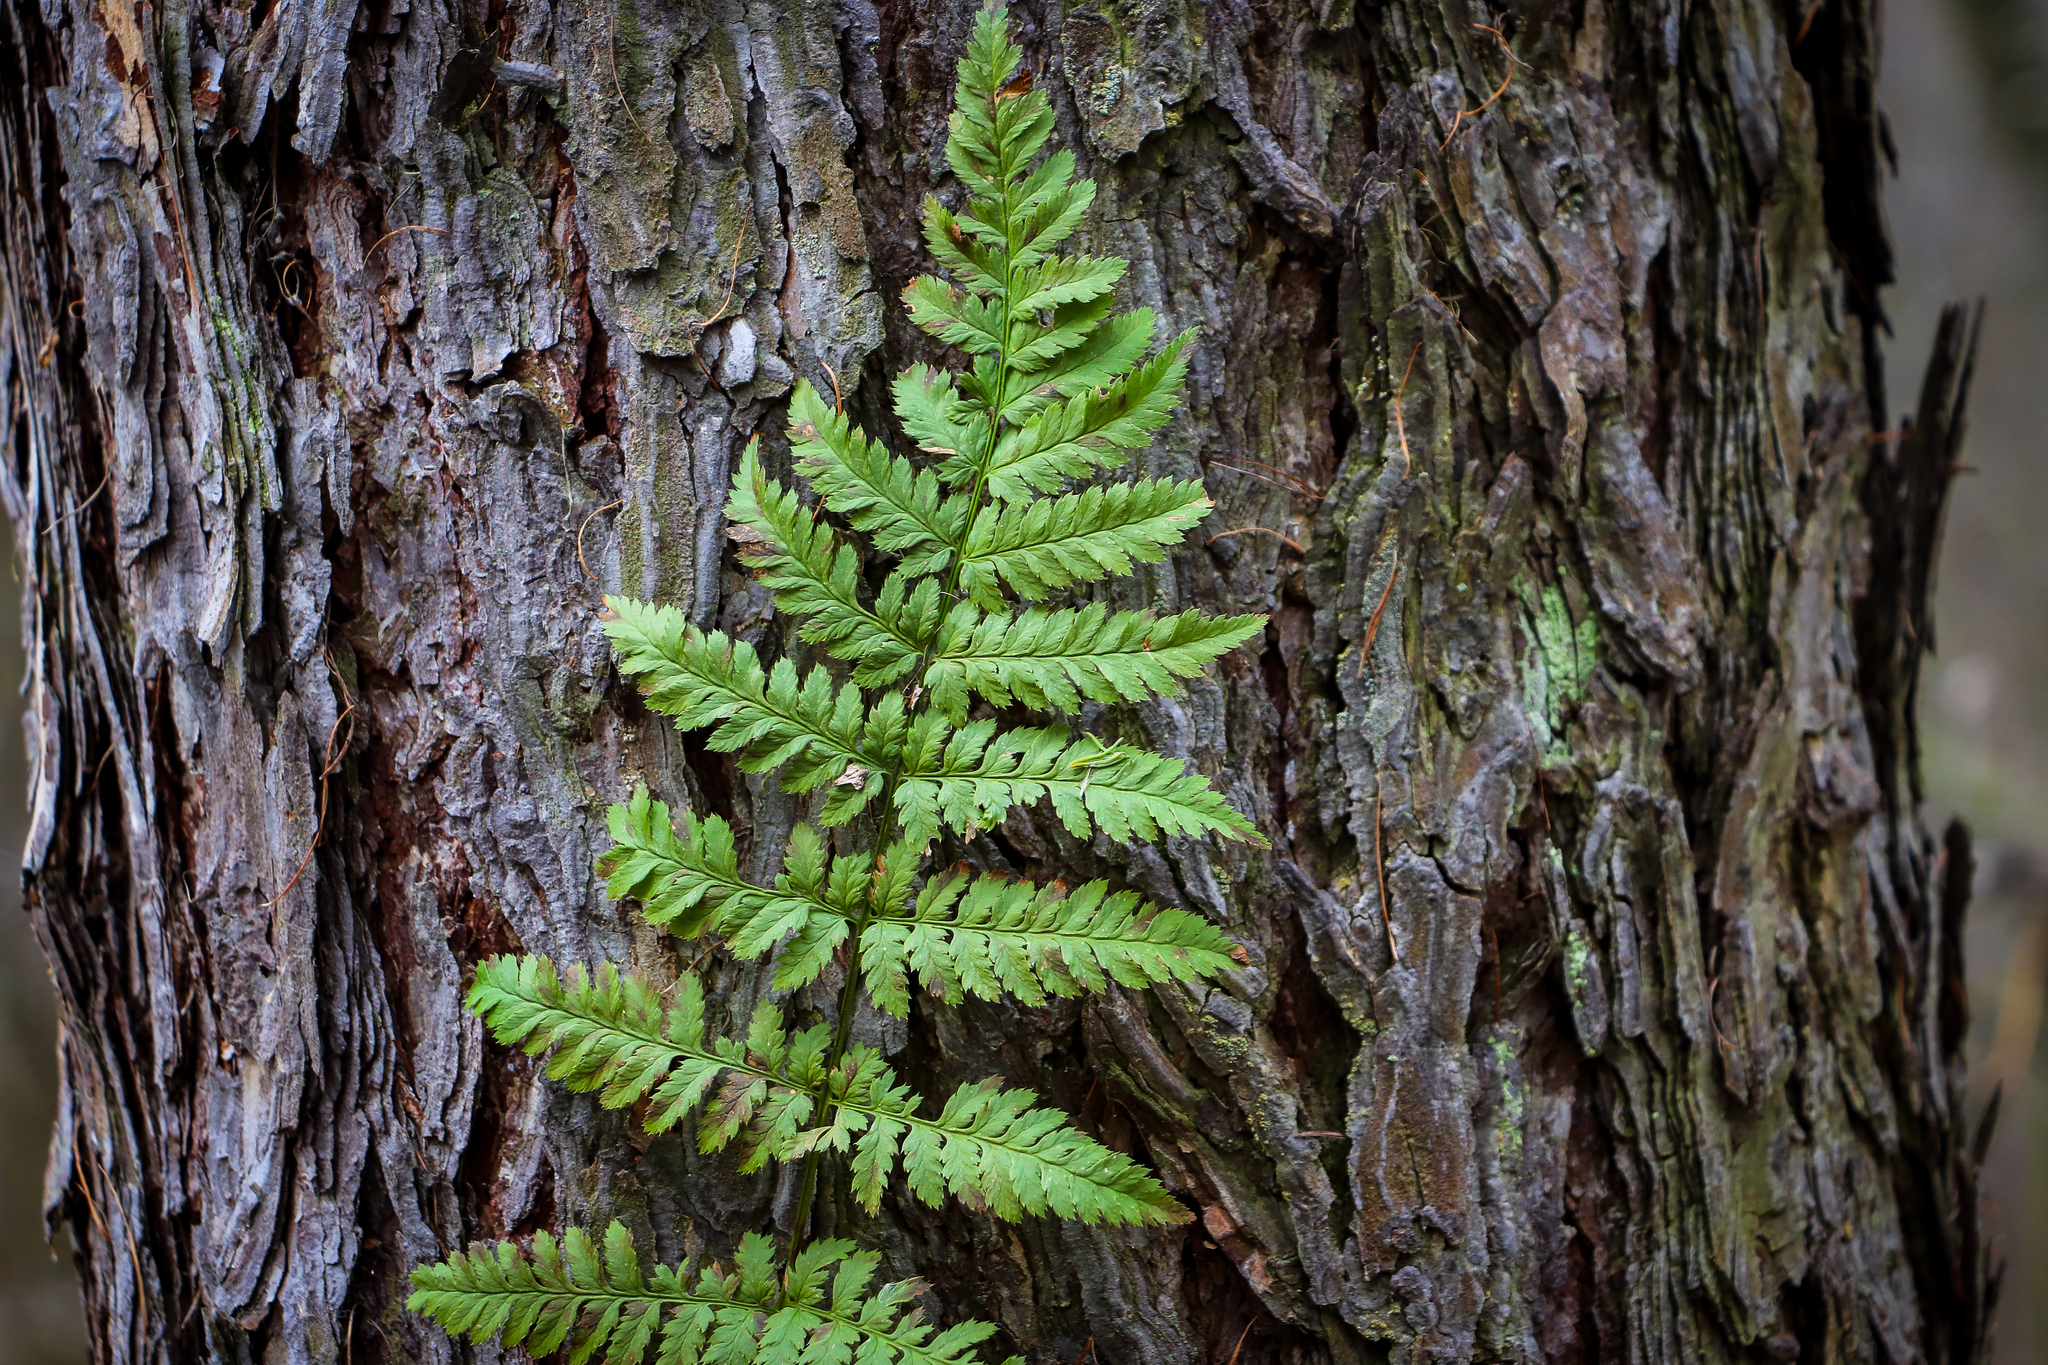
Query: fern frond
[[999, 936], [1127, 793], [989, 936], [1065, 280], [1050, 660], [960, 319], [929, 405], [972, 262], [687, 880], [904, 511], [568, 1292], [1109, 351], [989, 1148], [612, 1035], [1094, 429], [771, 718], [1048, 208], [1076, 538], [818, 581], [993, 137], [1058, 387]]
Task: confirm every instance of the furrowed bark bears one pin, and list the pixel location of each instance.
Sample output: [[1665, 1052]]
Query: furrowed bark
[[1604, 998]]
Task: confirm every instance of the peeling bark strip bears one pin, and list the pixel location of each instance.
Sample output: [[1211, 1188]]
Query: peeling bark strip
[[345, 342]]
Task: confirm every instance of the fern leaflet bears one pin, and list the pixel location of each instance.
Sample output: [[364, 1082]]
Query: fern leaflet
[[990, 936], [1050, 660], [1076, 538], [987, 1144], [553, 1294]]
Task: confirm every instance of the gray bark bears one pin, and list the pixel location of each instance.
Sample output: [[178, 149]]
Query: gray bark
[[351, 349]]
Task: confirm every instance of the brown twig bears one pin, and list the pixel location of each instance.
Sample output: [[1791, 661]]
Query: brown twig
[[291, 295], [1456, 316], [92, 1205], [1290, 541], [732, 279], [838, 399], [89, 499], [1812, 11], [612, 51], [1400, 425], [1372, 629], [134, 1256], [1713, 986], [1279, 478], [177, 204], [101, 766], [410, 227], [1379, 858], [698, 329], [1086, 1351], [1513, 61], [595, 513], [330, 761], [1240, 1343], [1254, 474]]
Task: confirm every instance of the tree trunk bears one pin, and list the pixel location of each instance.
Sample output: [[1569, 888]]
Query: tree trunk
[[352, 349]]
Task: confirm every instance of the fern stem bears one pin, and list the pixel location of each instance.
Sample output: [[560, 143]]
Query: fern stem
[[849, 993]]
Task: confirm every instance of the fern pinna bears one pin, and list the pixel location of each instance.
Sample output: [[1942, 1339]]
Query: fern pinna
[[1060, 388]]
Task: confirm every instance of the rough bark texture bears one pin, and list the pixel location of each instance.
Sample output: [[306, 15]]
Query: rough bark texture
[[343, 371]]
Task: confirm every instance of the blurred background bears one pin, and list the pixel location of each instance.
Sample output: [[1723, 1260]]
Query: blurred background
[[1966, 88], [1965, 84]]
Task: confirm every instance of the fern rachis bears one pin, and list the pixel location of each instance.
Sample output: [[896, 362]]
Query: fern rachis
[[1060, 388]]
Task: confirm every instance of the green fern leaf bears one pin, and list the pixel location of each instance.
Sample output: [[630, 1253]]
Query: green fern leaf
[[960, 319], [1053, 206], [992, 1150], [771, 718], [1065, 280], [1000, 936], [1076, 538], [818, 1313], [989, 936], [1094, 429], [930, 408], [1127, 793], [687, 880], [987, 1146], [611, 1035], [993, 137], [1050, 660], [903, 511], [974, 264], [818, 581], [1034, 344]]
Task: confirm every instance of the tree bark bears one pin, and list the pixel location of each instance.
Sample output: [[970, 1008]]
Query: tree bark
[[352, 349]]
